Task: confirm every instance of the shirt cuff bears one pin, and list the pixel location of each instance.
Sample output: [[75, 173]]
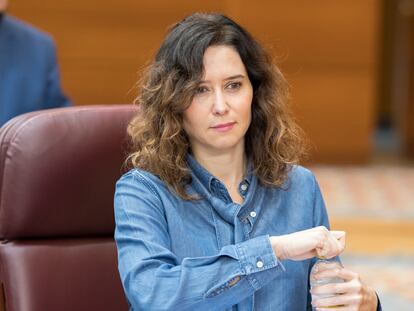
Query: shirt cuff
[[258, 261]]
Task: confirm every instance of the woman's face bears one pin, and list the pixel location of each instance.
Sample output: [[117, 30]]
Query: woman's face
[[220, 112]]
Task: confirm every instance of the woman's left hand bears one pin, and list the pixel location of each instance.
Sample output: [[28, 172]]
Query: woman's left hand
[[353, 294]]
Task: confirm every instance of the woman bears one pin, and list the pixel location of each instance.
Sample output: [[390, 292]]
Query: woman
[[215, 214]]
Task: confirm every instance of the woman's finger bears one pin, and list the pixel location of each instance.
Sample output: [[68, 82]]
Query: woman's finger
[[340, 236], [329, 247], [333, 289], [337, 301], [342, 273]]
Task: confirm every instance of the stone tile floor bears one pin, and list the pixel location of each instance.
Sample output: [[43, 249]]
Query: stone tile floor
[[368, 191], [392, 277]]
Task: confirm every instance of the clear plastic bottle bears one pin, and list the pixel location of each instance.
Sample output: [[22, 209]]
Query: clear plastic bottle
[[321, 265]]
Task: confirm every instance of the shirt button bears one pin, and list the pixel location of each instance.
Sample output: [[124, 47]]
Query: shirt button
[[259, 264], [253, 214], [243, 187]]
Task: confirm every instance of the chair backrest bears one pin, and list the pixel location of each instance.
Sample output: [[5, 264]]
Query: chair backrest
[[58, 170]]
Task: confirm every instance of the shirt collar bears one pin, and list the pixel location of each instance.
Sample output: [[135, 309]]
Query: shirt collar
[[200, 172], [206, 178]]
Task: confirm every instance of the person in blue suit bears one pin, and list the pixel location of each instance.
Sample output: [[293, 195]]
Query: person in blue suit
[[29, 73]]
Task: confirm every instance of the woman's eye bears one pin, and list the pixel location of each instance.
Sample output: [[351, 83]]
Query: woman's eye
[[201, 89], [234, 85]]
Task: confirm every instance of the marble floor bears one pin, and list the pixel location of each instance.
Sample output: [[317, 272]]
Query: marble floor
[[391, 276], [377, 191]]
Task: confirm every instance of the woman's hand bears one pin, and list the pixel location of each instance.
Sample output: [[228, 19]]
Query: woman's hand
[[319, 242], [353, 294]]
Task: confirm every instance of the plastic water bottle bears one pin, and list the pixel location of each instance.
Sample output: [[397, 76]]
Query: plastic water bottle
[[321, 265]]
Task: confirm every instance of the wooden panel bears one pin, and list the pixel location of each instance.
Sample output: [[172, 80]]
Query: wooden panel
[[102, 44], [335, 110], [397, 83], [409, 135], [320, 31], [328, 49], [368, 236]]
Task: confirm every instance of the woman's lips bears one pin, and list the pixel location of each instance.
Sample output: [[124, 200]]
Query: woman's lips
[[224, 127]]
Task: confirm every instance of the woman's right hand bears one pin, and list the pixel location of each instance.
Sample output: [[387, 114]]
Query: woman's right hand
[[315, 242]]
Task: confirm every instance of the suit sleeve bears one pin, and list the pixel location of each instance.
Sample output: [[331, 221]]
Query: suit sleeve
[[54, 96]]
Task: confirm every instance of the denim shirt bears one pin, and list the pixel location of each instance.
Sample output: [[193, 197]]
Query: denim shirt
[[212, 253]]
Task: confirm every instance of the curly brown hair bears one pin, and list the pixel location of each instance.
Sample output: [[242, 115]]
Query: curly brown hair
[[273, 141]]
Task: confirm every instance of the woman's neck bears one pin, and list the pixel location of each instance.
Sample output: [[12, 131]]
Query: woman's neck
[[228, 167]]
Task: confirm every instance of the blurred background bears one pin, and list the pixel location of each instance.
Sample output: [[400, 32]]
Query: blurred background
[[350, 65]]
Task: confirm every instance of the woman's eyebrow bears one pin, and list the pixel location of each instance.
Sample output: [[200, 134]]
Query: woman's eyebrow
[[234, 77], [226, 79]]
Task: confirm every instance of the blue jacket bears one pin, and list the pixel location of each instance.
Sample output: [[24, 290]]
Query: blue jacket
[[29, 73]]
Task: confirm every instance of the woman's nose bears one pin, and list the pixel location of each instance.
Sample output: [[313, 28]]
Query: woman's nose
[[220, 105]]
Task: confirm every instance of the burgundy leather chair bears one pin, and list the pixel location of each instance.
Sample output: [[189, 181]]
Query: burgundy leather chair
[[58, 170]]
